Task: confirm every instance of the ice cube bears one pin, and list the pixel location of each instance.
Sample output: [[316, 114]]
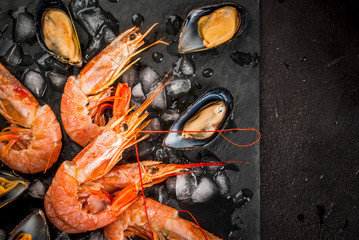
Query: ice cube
[[2, 234], [92, 17], [24, 28], [137, 92], [170, 115], [57, 79], [171, 185], [223, 182], [95, 46], [63, 236], [207, 157], [162, 154], [187, 66], [173, 24], [198, 171], [96, 235], [160, 101], [186, 185], [5, 45], [53, 63], [154, 125], [108, 35], [130, 76], [205, 190], [159, 193], [242, 197], [40, 61], [27, 60], [37, 189], [148, 77], [34, 81], [178, 86], [13, 56]]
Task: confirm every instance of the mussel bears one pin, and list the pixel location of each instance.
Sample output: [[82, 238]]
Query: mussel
[[209, 112], [211, 26], [33, 227], [56, 32], [11, 187]]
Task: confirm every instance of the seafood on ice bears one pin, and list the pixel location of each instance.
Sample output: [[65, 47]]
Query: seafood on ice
[[163, 220], [88, 95], [72, 203], [32, 142]]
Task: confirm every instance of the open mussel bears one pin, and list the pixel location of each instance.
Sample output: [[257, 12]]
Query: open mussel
[[56, 32], [211, 26], [211, 111], [33, 227], [11, 187]]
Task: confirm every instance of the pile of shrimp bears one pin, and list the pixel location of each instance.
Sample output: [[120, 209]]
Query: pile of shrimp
[[92, 191]]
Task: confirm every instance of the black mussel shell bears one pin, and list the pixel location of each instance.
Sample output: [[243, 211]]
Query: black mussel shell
[[35, 224], [190, 40], [16, 191], [175, 140], [42, 8]]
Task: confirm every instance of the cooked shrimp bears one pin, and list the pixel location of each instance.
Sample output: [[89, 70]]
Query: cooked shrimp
[[78, 202], [120, 177], [164, 221], [32, 143], [87, 95]]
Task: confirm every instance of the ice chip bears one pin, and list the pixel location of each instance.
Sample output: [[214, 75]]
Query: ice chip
[[206, 157], [56, 64], [187, 66], [57, 79], [242, 197], [92, 17], [160, 101], [94, 47], [186, 185], [178, 86], [24, 28], [27, 60], [137, 92], [108, 35], [223, 182], [63, 236], [14, 55], [171, 185], [34, 81], [170, 115], [96, 235], [37, 189], [40, 61], [5, 45], [130, 76], [154, 125], [205, 190], [148, 77]]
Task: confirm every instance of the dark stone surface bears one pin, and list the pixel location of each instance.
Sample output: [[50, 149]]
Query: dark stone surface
[[309, 119]]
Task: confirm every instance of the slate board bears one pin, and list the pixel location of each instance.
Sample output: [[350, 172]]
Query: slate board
[[243, 82]]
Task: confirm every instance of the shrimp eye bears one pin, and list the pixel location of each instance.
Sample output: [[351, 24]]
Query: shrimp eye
[[132, 36], [124, 127], [154, 170]]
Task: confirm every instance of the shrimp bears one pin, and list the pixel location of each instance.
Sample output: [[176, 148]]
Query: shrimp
[[87, 95], [164, 221], [114, 183], [73, 201], [32, 143]]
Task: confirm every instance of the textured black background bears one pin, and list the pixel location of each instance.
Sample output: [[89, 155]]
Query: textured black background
[[309, 119]]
